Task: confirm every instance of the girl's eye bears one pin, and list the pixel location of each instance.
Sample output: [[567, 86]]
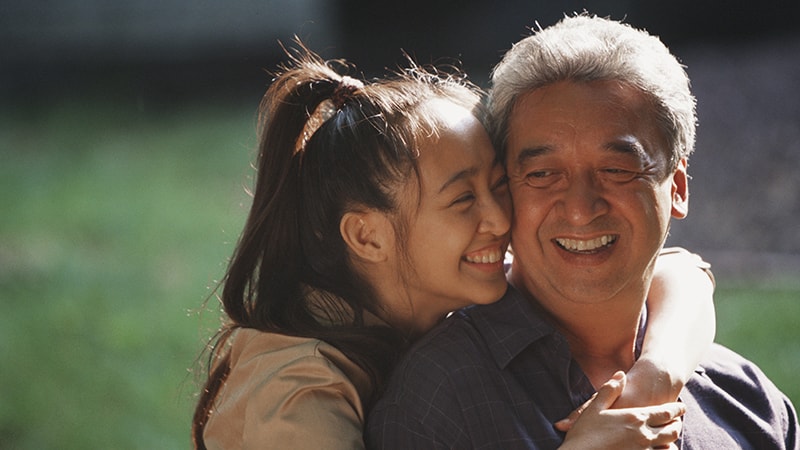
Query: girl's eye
[[468, 197]]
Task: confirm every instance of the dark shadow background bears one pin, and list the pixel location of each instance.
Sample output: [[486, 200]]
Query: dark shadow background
[[743, 58]]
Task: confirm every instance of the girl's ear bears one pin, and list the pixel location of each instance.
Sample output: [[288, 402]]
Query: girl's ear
[[368, 234]]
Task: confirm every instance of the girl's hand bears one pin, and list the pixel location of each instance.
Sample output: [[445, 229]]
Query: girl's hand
[[595, 425]]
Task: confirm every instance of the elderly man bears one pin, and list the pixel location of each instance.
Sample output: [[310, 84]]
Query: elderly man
[[595, 121]]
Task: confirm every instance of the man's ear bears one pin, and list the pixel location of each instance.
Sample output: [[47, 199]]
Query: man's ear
[[368, 234], [680, 191]]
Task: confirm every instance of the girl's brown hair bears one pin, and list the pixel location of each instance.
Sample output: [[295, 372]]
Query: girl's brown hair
[[291, 248]]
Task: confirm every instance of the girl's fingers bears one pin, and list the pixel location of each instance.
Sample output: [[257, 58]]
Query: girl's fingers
[[608, 393], [666, 435], [666, 413]]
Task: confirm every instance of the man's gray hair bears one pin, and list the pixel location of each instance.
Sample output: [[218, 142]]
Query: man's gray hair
[[584, 48]]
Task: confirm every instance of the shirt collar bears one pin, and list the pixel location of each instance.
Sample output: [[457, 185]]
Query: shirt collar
[[509, 325], [514, 322]]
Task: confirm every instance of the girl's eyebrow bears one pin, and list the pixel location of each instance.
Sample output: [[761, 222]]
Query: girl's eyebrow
[[461, 175]]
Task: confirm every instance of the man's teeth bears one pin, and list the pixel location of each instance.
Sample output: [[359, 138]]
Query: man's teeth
[[576, 245], [487, 257]]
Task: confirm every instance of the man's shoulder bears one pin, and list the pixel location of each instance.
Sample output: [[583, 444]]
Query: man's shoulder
[[449, 359], [731, 393], [742, 382], [729, 369], [422, 400]]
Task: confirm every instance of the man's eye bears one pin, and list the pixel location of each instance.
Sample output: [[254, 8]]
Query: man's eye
[[540, 178], [619, 175], [539, 174]]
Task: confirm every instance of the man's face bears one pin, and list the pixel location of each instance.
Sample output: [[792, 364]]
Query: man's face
[[592, 191]]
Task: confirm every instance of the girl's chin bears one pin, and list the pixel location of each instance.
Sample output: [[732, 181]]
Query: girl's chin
[[491, 295]]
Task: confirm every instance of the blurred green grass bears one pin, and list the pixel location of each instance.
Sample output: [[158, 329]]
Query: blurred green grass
[[116, 220]]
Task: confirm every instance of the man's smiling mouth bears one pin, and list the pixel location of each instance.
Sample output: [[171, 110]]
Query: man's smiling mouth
[[586, 246]]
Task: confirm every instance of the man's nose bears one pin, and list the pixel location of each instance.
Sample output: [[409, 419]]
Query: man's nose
[[583, 200]]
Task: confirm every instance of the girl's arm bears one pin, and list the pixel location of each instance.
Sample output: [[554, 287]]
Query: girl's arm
[[681, 327]]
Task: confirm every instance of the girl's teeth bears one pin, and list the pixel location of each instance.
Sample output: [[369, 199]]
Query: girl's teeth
[[486, 258]]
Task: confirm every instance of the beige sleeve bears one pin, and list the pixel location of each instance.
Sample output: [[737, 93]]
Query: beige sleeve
[[310, 404], [303, 401]]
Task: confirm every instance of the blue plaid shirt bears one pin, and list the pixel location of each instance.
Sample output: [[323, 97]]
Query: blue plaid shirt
[[498, 376]]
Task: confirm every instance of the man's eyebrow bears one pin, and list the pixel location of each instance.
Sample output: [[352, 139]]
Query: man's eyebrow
[[530, 153], [461, 175], [628, 147]]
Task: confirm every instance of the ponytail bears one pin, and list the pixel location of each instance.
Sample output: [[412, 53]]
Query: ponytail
[[269, 275]]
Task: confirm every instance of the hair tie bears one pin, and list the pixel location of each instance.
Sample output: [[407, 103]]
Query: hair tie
[[327, 109], [344, 90]]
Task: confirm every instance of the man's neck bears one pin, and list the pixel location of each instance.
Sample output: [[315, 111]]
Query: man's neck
[[602, 336], [602, 340]]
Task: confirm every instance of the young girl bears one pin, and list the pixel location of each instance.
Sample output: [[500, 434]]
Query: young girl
[[377, 209]]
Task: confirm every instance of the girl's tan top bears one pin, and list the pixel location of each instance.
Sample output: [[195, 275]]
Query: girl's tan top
[[287, 392]]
